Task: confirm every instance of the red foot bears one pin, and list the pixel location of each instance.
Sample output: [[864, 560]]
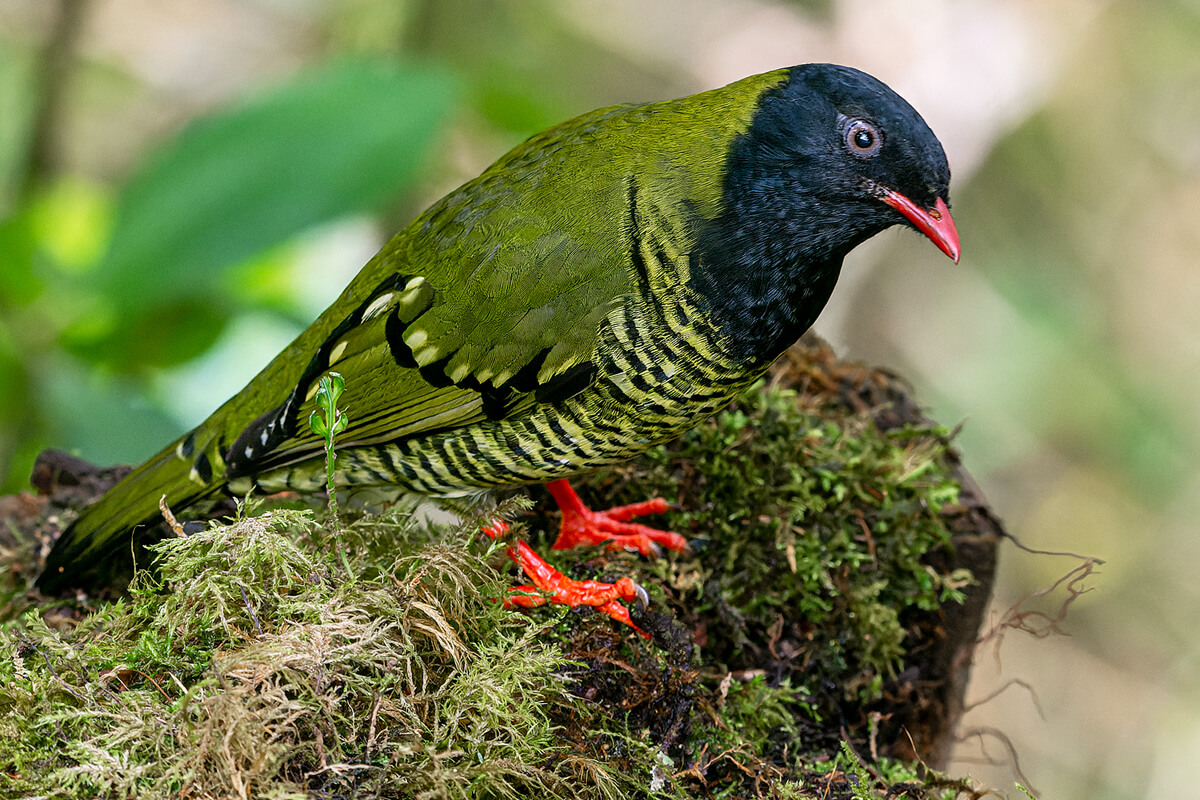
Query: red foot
[[582, 526], [551, 586]]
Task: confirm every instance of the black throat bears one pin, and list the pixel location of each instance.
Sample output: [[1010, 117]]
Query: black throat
[[767, 264], [759, 296]]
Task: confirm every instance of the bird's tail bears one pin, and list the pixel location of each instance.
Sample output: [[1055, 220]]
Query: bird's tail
[[110, 534]]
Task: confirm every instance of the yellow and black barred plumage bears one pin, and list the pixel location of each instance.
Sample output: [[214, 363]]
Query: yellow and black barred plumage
[[603, 287]]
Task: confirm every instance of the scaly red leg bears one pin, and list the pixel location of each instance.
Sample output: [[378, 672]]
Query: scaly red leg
[[582, 526], [551, 586]]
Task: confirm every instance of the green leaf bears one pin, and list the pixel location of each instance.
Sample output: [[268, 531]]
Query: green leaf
[[18, 283], [340, 140], [317, 423], [329, 389]]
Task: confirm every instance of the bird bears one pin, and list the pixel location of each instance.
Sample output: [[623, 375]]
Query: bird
[[606, 285]]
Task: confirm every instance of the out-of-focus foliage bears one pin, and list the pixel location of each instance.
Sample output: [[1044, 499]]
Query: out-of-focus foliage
[[342, 139], [110, 282]]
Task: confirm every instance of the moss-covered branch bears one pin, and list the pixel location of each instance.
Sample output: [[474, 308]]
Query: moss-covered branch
[[802, 649]]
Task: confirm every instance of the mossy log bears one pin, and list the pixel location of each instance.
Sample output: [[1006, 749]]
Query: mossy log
[[816, 642]]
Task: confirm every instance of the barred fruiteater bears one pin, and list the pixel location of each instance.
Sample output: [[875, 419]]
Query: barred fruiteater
[[603, 287]]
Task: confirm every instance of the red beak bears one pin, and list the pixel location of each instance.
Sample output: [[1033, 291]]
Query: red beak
[[936, 222]]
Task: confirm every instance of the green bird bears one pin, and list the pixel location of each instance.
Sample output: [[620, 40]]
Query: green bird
[[603, 287]]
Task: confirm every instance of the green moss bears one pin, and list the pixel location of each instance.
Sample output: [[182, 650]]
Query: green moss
[[273, 658], [818, 523], [265, 671]]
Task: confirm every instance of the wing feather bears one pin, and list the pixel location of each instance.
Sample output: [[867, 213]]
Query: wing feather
[[494, 299]]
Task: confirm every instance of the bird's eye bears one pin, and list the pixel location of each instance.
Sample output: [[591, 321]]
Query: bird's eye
[[862, 138]]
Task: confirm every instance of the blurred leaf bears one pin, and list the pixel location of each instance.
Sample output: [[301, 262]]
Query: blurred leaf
[[267, 282], [18, 287], [71, 220], [171, 331], [17, 283], [15, 401], [22, 334], [340, 140], [517, 108], [103, 418]]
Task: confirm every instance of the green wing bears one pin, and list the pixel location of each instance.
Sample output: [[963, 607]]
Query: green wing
[[489, 302]]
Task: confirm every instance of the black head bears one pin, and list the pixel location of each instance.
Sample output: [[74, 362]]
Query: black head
[[853, 157], [832, 157]]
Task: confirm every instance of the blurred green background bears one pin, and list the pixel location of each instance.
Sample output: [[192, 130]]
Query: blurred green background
[[184, 186]]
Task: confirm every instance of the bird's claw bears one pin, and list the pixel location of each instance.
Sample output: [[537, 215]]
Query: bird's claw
[[643, 597], [551, 586], [583, 526], [656, 550]]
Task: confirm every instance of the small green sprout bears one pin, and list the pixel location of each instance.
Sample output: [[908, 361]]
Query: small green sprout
[[327, 421]]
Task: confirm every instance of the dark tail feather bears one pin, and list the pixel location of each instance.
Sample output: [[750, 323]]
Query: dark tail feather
[[99, 548]]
